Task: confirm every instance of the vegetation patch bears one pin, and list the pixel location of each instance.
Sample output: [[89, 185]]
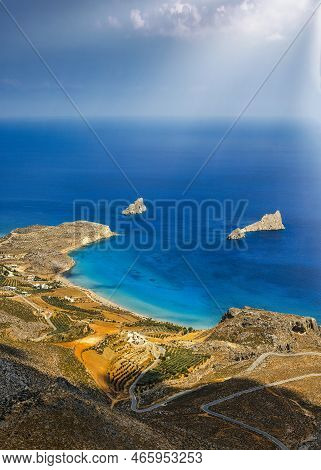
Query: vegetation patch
[[159, 327], [176, 362], [61, 322], [72, 369], [12, 282], [17, 309], [121, 378], [78, 330], [63, 304]]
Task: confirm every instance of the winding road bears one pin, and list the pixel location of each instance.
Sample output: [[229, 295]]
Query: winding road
[[207, 406]]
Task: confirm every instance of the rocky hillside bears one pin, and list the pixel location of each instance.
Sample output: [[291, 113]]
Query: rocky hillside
[[261, 330]]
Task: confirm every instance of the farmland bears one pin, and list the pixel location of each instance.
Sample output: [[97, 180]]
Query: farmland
[[12, 282], [17, 309], [61, 322], [156, 328], [175, 363], [122, 362], [125, 371], [78, 312]]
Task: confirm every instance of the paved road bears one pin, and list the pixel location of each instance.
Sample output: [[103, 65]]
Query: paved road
[[207, 407], [268, 436]]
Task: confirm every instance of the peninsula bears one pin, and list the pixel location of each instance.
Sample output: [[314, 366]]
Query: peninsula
[[44, 249]]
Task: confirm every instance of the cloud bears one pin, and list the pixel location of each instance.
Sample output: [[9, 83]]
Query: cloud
[[174, 18], [268, 19], [179, 18], [137, 20], [221, 9], [272, 20]]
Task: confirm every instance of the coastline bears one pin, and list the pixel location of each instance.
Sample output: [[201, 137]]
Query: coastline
[[56, 259], [119, 308], [99, 298], [61, 277]]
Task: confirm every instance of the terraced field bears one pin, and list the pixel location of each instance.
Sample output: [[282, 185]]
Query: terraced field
[[126, 369], [3, 280], [61, 322], [17, 309], [111, 360], [78, 312], [8, 281], [176, 362], [13, 282]]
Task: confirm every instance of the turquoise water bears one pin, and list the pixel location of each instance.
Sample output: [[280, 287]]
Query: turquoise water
[[271, 165]]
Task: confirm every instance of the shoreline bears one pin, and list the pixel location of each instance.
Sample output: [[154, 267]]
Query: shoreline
[[99, 298], [67, 262], [116, 306], [61, 277]]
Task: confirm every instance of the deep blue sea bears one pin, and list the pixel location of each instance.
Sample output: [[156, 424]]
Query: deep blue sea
[[174, 263]]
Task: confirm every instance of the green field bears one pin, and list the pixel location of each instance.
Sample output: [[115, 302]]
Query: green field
[[65, 334], [176, 362], [159, 327], [61, 322], [8, 281], [78, 312]]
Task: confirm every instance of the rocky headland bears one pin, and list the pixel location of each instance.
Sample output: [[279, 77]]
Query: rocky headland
[[44, 249], [260, 331], [268, 222]]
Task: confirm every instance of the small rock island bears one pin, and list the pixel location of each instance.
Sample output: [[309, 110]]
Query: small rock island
[[137, 207], [268, 222]]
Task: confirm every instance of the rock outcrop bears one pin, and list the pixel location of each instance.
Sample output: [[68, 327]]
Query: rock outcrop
[[268, 222], [265, 331], [137, 207]]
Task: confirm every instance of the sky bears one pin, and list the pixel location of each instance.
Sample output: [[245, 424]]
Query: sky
[[191, 58]]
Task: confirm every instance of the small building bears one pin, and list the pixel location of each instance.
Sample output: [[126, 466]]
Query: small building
[[41, 286]]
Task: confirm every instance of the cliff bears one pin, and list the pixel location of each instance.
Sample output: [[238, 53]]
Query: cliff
[[268, 222]]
